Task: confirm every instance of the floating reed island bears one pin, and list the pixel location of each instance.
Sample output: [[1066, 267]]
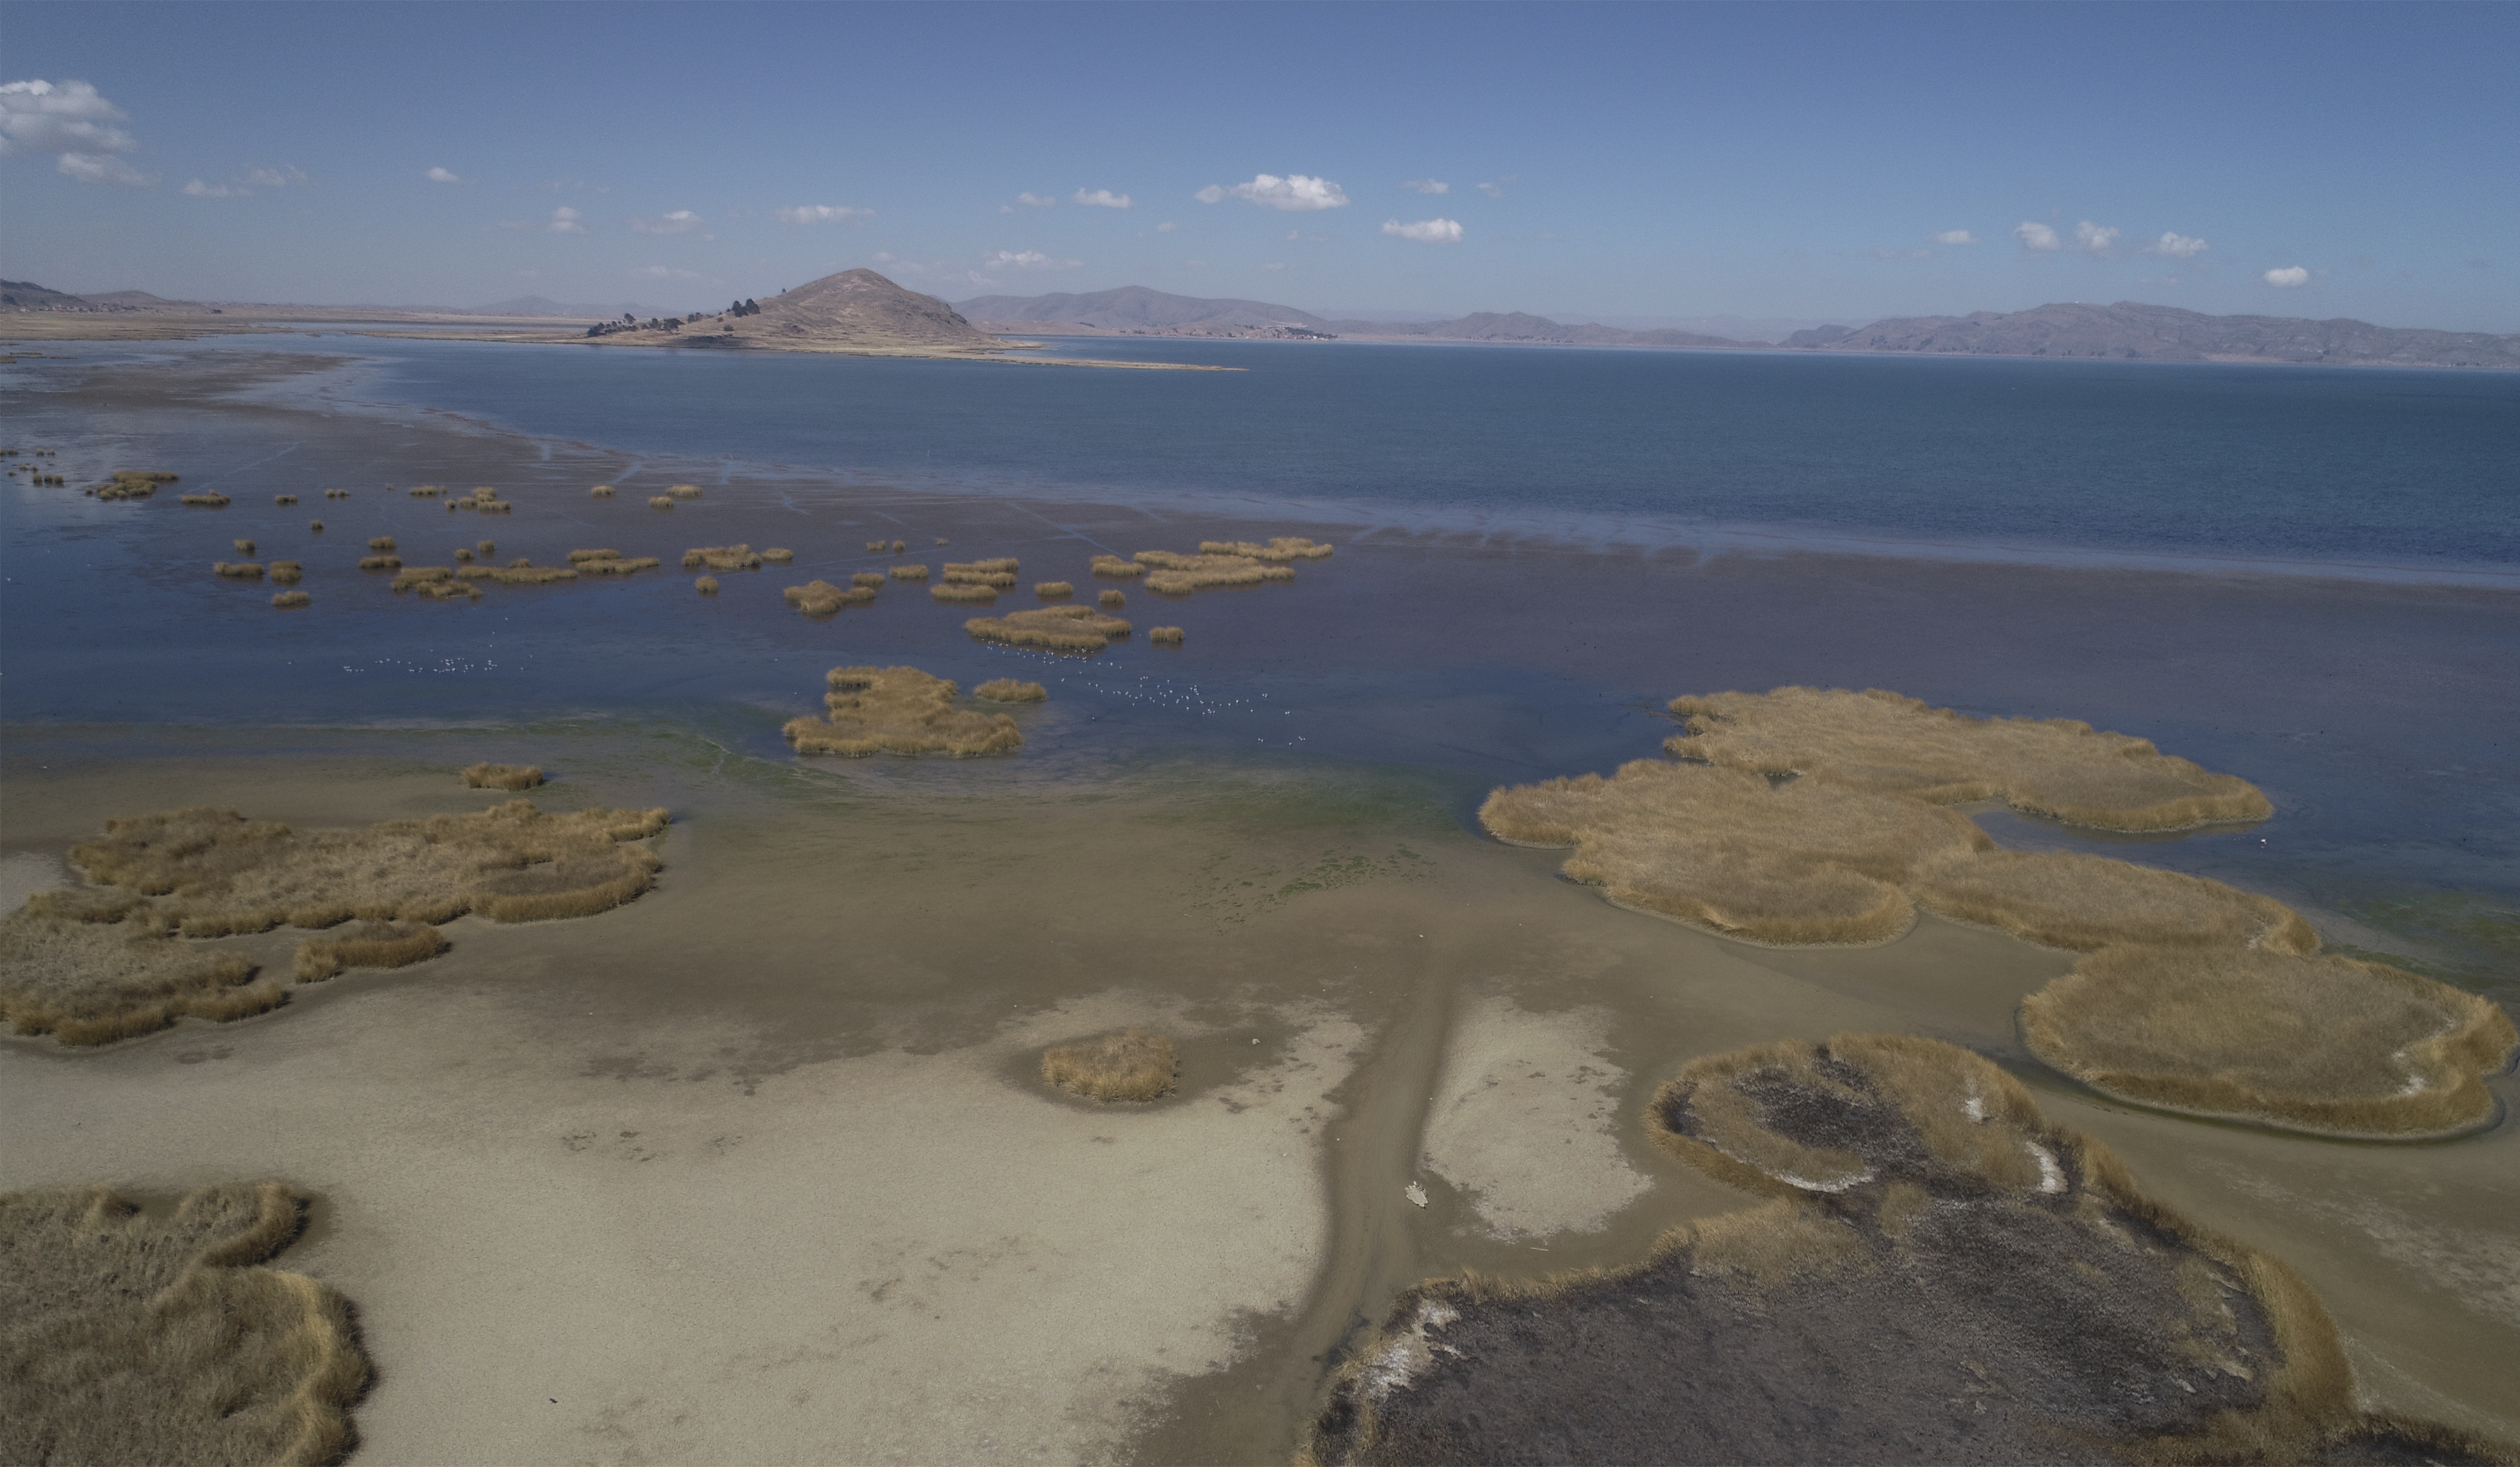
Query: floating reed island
[[1167, 636], [1050, 629], [660, 501], [522, 571], [156, 1336], [871, 580], [244, 546], [1812, 830], [600, 491], [899, 710], [1053, 591], [1111, 598], [998, 574], [720, 558], [819, 598], [484, 499], [1009, 690], [341, 493], [284, 499], [1280, 551], [1172, 574], [705, 585], [291, 600], [1938, 1268], [610, 562], [206, 500], [238, 571], [509, 777], [383, 544], [1113, 568], [1131, 1064], [684, 491], [907, 572], [89, 966], [778, 554], [963, 593], [288, 573]]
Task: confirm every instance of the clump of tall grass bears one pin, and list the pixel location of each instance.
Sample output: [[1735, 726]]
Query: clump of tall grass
[[819, 598], [1112, 599], [964, 592], [240, 570], [1054, 629], [244, 546], [509, 777], [366, 945], [2321, 1044], [998, 574], [486, 547], [1051, 590], [616, 565], [579, 557], [907, 572], [341, 493], [464, 555], [449, 591], [156, 1336], [660, 501], [1888, 743], [426, 491], [315, 527], [208, 500], [91, 967], [420, 575], [287, 572], [720, 558], [119, 489], [899, 710], [1172, 574], [600, 491], [288, 600], [778, 554], [705, 585], [1009, 690], [1132, 1064], [1279, 550], [684, 491], [902, 546], [2083, 903], [1113, 568], [382, 545], [284, 499], [520, 574], [1167, 636], [869, 580], [876, 546]]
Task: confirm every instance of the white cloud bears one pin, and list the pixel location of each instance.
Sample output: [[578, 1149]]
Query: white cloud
[[2176, 245], [2095, 238], [1425, 230], [1294, 191], [1025, 260], [823, 213], [200, 190], [2033, 235], [74, 123], [1104, 198], [444, 175], [1167, 227], [1955, 237], [679, 222], [1427, 186], [1492, 190], [2287, 277], [563, 221]]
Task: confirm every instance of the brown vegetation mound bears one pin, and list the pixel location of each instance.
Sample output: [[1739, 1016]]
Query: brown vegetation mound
[[1050, 590], [1009, 690], [907, 572], [684, 491], [284, 499], [420, 575], [131, 1337], [998, 574], [1167, 636], [213, 500], [1279, 550], [244, 546], [290, 600], [1890, 744], [519, 574], [2326, 1044], [287, 572], [1056, 628], [819, 598], [2082, 903], [1132, 1064], [240, 571], [366, 945], [1111, 598], [899, 710], [720, 558], [381, 563], [871, 580], [508, 776], [600, 491], [383, 544], [1113, 568], [660, 501], [1171, 574], [778, 556], [618, 566], [963, 593], [581, 557]]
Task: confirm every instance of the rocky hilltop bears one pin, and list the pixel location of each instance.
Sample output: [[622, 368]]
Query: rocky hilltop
[[853, 311], [2133, 332]]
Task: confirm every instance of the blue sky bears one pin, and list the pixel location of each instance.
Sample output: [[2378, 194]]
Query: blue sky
[[1802, 161]]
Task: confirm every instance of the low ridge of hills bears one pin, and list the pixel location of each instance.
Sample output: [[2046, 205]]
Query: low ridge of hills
[[1133, 309], [2130, 331]]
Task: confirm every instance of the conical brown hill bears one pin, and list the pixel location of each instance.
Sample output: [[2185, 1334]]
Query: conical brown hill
[[855, 310]]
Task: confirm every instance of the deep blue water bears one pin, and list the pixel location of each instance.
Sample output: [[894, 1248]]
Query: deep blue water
[[2411, 469]]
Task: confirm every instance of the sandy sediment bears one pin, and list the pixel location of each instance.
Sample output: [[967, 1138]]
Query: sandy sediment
[[1524, 1120]]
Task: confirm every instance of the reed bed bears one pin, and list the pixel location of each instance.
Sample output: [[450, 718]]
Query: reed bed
[[819, 598], [998, 574], [600, 491], [291, 600], [1890, 744], [869, 580], [207, 500], [899, 710], [122, 489], [1054, 629], [382, 545], [2085, 903], [660, 501], [508, 776], [579, 557], [2320, 1044], [284, 499], [1113, 568], [876, 546], [1132, 1064], [520, 574], [720, 558], [132, 1336], [341, 493], [684, 491], [964, 592], [366, 945], [287, 572], [1172, 574], [1009, 690], [1053, 591], [1280, 550], [411, 576], [449, 591], [426, 491], [778, 554], [486, 547], [1112, 599], [315, 527], [618, 566], [907, 572], [464, 555], [1167, 636], [902, 546], [238, 571], [244, 546], [705, 585], [91, 967]]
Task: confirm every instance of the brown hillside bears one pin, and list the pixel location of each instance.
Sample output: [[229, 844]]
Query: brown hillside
[[855, 310]]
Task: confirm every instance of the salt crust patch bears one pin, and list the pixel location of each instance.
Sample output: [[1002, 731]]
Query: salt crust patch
[[1524, 1121], [26, 873], [2478, 1267], [885, 1258]]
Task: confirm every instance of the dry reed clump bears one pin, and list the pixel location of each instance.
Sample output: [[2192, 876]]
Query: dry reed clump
[[819, 598], [600, 491], [720, 558], [238, 570], [341, 493], [613, 564], [778, 554], [287, 572], [486, 547], [907, 572], [705, 585], [284, 499], [1167, 636], [290, 600], [117, 489], [1890, 744], [1726, 850], [211, 500], [1112, 599], [463, 554], [450, 590], [509, 777], [576, 556], [684, 491], [1055, 629], [2084, 902], [381, 563], [964, 592], [1113, 568], [1009, 690], [1279, 550], [420, 575], [1171, 574], [871, 580], [660, 501], [131, 1336], [382, 545], [875, 545], [94, 966], [366, 945], [1000, 573], [899, 710], [426, 491], [1051, 590], [2318, 1044], [1132, 1064], [244, 546], [315, 527], [521, 573], [902, 546]]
